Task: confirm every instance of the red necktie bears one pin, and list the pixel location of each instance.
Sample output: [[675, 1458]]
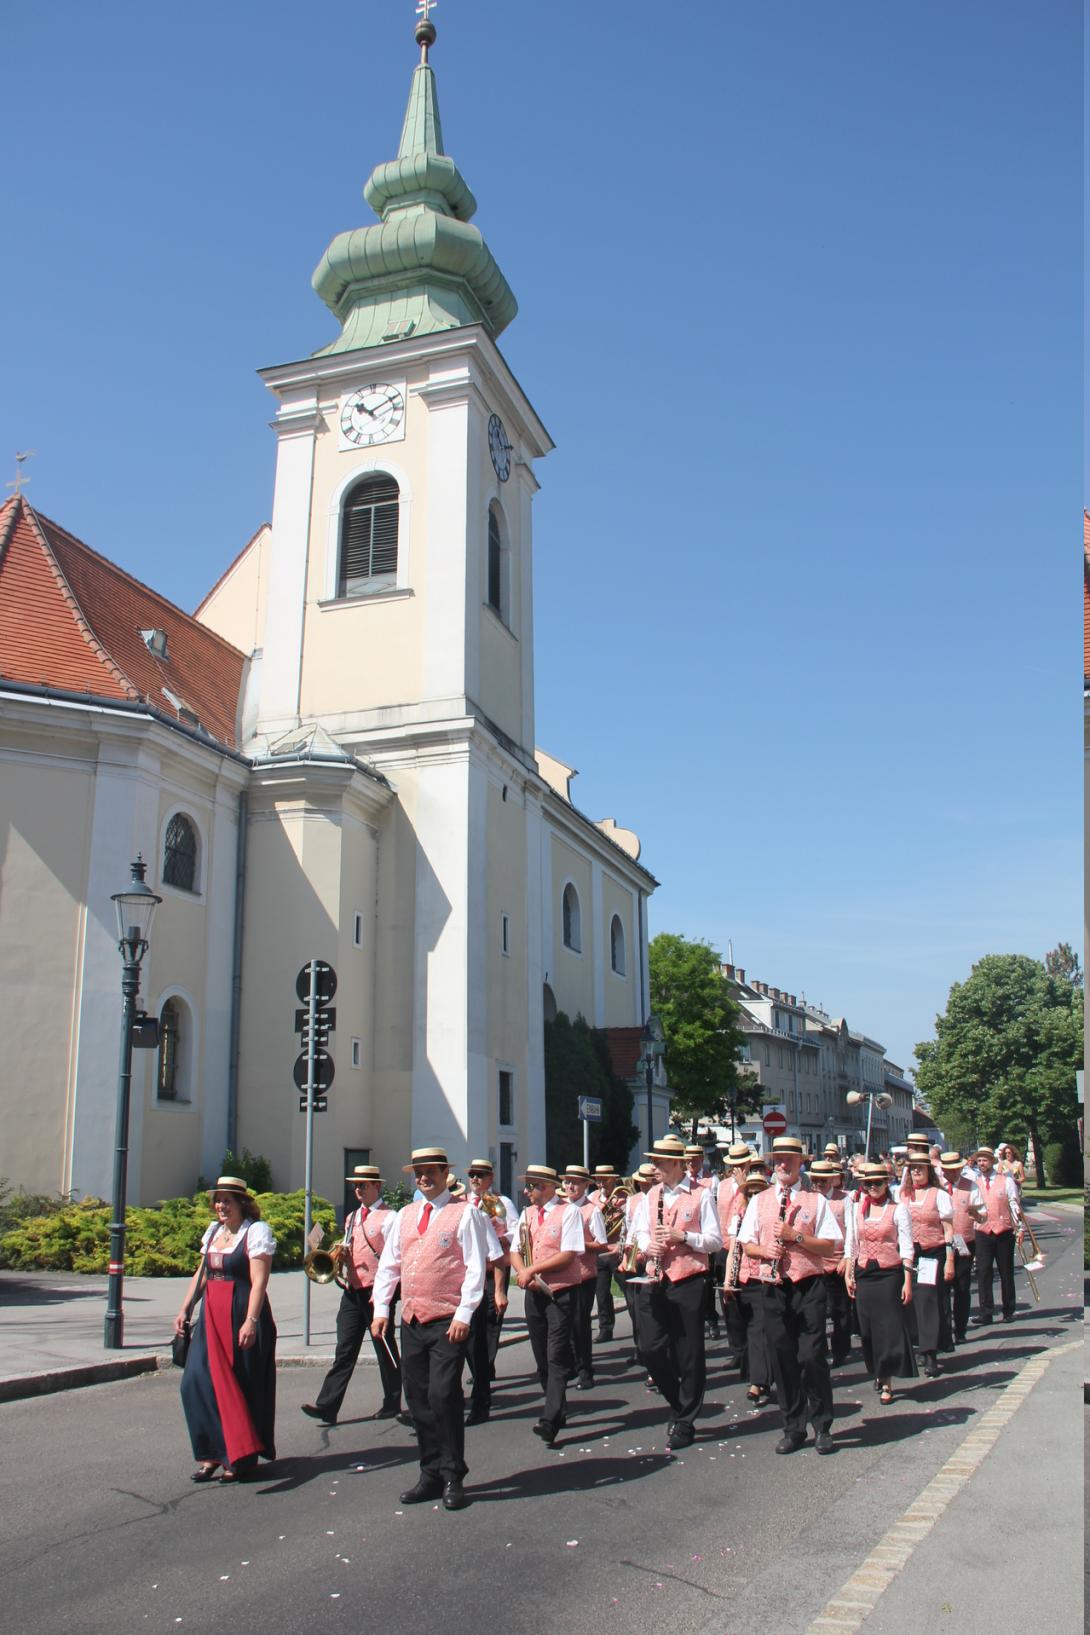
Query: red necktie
[[363, 1212], [425, 1217], [541, 1215]]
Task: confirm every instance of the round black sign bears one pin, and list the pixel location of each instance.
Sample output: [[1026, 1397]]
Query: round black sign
[[327, 983], [323, 1072]]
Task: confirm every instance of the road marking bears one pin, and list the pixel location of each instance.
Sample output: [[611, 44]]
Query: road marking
[[858, 1596]]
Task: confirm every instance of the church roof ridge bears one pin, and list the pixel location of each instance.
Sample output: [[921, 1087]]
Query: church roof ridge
[[228, 570]]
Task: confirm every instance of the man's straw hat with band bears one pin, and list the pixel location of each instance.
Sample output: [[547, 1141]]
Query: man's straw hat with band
[[540, 1172], [576, 1172], [738, 1154], [427, 1155], [789, 1146], [480, 1166], [668, 1147], [604, 1172], [645, 1172], [952, 1161], [365, 1173], [823, 1170]]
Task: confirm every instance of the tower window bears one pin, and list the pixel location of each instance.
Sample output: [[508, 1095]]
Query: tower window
[[169, 1041], [616, 945], [369, 519], [495, 562], [506, 1096], [573, 936], [180, 854]]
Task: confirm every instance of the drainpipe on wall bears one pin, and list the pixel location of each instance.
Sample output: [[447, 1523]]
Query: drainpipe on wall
[[236, 974]]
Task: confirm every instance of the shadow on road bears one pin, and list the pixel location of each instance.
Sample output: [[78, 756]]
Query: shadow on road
[[588, 1474]]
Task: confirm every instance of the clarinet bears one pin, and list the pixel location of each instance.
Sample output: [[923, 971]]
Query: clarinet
[[654, 1269], [774, 1275]]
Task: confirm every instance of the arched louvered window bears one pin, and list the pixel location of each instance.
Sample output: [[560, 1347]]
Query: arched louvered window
[[495, 562], [180, 854], [573, 935], [169, 1042], [368, 550], [616, 945]]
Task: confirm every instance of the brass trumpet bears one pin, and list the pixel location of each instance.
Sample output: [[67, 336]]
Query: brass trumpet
[[324, 1265], [492, 1204]]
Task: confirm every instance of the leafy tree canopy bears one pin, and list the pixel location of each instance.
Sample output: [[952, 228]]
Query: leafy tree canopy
[[577, 1064], [691, 997], [1003, 1059]]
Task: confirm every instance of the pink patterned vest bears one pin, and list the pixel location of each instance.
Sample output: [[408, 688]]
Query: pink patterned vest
[[366, 1242], [964, 1223], [926, 1223], [802, 1212], [996, 1203], [836, 1202], [876, 1236], [682, 1212], [432, 1266], [729, 1191], [588, 1260], [730, 1224], [545, 1242]]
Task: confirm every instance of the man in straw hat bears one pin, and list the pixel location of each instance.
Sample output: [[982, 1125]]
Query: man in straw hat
[[789, 1232], [500, 1217], [676, 1227], [827, 1177], [996, 1236], [576, 1184], [546, 1260], [696, 1162], [729, 1205], [968, 1206], [437, 1248], [605, 1181], [365, 1232]]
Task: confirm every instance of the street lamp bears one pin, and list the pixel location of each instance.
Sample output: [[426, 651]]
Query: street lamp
[[135, 907], [652, 1049], [873, 1099]]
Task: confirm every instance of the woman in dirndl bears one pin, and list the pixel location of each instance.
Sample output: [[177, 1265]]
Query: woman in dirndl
[[229, 1382], [880, 1256]]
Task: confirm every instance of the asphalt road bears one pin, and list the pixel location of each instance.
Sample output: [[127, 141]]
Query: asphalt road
[[103, 1531]]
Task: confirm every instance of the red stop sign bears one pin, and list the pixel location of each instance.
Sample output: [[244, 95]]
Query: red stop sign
[[774, 1123]]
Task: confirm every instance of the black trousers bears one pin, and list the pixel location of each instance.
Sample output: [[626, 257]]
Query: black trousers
[[354, 1316], [582, 1353], [794, 1324], [495, 1317], [711, 1301], [840, 1314], [431, 1367], [477, 1357], [672, 1341], [994, 1250], [756, 1365], [603, 1294], [962, 1292], [735, 1319], [549, 1321]]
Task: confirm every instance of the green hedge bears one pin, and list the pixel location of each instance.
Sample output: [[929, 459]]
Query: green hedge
[[162, 1242]]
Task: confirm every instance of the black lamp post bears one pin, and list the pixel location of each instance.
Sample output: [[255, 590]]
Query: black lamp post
[[652, 1048], [135, 907]]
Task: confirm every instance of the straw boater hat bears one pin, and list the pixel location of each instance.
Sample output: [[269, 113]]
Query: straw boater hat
[[831, 1150], [874, 1172], [823, 1170], [480, 1166], [232, 1184], [789, 1146], [604, 1170], [427, 1155], [738, 1154], [364, 1173], [577, 1172], [754, 1184], [646, 1172], [668, 1147], [918, 1140], [693, 1151], [951, 1161], [986, 1152], [540, 1172]]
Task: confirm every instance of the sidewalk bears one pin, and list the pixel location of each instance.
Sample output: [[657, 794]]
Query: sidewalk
[[51, 1327]]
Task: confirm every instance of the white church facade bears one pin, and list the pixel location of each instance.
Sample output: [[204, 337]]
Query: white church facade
[[335, 758]]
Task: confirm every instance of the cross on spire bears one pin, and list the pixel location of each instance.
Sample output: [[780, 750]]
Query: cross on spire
[[425, 28], [20, 480]]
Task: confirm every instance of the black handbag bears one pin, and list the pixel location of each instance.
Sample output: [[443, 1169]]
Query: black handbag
[[179, 1345]]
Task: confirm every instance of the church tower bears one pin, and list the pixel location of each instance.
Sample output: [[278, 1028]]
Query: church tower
[[390, 707]]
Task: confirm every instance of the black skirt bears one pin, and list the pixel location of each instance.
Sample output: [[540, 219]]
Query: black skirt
[[883, 1323], [756, 1367], [926, 1303]]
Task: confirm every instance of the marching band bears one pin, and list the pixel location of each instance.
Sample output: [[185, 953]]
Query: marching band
[[798, 1263]]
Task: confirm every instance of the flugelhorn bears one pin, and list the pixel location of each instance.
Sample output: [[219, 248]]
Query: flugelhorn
[[324, 1265]]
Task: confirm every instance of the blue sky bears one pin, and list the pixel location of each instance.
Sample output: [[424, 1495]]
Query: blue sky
[[800, 293]]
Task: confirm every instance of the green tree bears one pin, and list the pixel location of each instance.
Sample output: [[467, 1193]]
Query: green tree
[[1003, 1059], [691, 997], [577, 1063]]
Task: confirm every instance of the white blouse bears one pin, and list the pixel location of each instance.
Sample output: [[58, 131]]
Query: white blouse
[[258, 1235]]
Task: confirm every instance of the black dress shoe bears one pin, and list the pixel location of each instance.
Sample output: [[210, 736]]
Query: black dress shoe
[[428, 1487], [477, 1416], [384, 1413], [546, 1432], [1008, 1317], [454, 1497], [930, 1365], [585, 1382], [312, 1411], [961, 1339], [790, 1443], [407, 1421], [981, 1322], [823, 1442], [603, 1336], [680, 1435], [839, 1361]]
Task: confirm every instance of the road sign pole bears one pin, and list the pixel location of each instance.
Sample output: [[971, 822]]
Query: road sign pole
[[308, 1212], [586, 1143]]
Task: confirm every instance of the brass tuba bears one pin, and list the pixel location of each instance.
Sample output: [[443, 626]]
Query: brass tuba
[[613, 1210]]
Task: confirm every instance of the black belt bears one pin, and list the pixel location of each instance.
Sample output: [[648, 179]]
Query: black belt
[[220, 1277]]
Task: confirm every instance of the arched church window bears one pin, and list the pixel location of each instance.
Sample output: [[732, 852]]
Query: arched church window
[[496, 564], [169, 1042], [368, 549], [571, 918], [180, 854], [616, 945]]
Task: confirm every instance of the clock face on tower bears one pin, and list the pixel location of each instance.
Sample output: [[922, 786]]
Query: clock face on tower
[[499, 448], [373, 414]]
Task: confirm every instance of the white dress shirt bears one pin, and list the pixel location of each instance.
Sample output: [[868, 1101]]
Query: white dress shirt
[[708, 1241], [473, 1243], [901, 1218], [825, 1223], [571, 1227]]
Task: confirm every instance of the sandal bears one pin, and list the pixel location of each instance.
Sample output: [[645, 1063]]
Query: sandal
[[755, 1393], [885, 1396], [204, 1473]]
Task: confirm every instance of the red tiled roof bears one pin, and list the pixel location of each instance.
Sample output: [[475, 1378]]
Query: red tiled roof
[[71, 619], [625, 1047], [1086, 593]]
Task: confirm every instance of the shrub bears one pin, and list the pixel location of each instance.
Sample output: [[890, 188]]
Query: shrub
[[1063, 1163], [160, 1242], [249, 1167]]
